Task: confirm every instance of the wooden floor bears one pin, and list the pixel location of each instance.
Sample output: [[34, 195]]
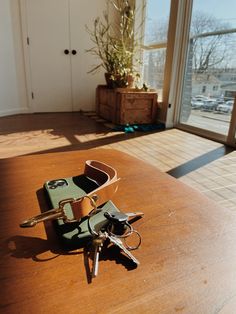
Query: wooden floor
[[203, 164]]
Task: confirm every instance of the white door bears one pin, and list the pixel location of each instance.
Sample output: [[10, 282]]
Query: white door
[[82, 13], [59, 81], [48, 31]]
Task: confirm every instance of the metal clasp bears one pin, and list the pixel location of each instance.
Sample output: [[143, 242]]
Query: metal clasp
[[62, 204]]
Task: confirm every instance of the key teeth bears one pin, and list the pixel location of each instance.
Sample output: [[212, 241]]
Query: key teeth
[[133, 259]]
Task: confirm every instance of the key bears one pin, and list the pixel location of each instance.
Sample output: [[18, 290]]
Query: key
[[116, 241], [119, 217], [98, 244], [56, 213], [48, 215], [134, 215]]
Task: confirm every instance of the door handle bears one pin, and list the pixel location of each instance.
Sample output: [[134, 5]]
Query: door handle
[[74, 52], [66, 51]]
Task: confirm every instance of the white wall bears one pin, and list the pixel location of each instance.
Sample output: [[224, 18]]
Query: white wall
[[12, 77]]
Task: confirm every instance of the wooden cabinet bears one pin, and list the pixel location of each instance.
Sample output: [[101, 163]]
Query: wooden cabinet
[[126, 106]]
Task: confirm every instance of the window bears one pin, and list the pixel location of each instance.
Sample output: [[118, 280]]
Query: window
[[155, 44], [210, 68]]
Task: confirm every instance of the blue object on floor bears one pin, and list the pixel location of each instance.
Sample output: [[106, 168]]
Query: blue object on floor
[[139, 127]]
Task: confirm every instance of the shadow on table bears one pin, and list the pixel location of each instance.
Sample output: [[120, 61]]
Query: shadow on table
[[32, 247]]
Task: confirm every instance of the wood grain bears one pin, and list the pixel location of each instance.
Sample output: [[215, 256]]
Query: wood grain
[[188, 251]]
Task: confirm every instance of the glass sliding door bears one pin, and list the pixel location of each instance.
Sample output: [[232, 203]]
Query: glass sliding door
[[209, 84]]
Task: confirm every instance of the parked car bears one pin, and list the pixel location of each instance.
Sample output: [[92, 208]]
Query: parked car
[[196, 103], [200, 97], [220, 101], [209, 105], [227, 107]]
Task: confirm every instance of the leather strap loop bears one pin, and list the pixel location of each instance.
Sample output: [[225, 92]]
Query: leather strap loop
[[106, 178]]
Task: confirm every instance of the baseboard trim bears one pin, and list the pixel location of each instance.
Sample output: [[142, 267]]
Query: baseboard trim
[[11, 112]]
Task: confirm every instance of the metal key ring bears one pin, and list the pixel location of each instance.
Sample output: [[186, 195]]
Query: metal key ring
[[93, 212], [130, 248], [93, 200]]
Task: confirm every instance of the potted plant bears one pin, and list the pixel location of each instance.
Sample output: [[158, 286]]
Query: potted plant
[[115, 44]]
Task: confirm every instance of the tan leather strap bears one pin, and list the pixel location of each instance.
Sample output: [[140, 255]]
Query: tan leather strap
[[106, 178]]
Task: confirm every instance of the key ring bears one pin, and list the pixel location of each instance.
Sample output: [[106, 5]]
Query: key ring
[[94, 211], [131, 248], [126, 235]]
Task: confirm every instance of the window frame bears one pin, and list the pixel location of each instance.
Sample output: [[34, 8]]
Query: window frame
[[169, 45]]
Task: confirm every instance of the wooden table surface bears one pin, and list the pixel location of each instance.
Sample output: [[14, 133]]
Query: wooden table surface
[[187, 256]]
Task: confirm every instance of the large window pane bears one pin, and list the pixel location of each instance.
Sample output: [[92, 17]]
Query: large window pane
[[153, 68], [155, 39], [210, 76], [156, 22]]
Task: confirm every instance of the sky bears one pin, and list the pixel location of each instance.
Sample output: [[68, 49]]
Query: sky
[[158, 8], [225, 10]]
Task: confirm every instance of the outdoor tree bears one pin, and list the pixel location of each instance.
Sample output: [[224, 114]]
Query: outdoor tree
[[210, 45]]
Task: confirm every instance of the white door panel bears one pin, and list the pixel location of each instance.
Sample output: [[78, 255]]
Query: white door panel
[[60, 82], [48, 29], [84, 84]]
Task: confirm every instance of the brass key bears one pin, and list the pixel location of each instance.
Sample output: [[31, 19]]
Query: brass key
[[49, 215], [58, 213], [98, 244]]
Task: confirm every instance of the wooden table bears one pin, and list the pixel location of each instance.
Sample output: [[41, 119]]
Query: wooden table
[[188, 251]]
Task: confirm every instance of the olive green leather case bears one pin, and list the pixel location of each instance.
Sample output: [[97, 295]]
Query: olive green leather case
[[76, 234]]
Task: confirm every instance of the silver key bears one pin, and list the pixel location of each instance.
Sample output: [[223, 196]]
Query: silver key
[[134, 215], [120, 244], [97, 243]]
